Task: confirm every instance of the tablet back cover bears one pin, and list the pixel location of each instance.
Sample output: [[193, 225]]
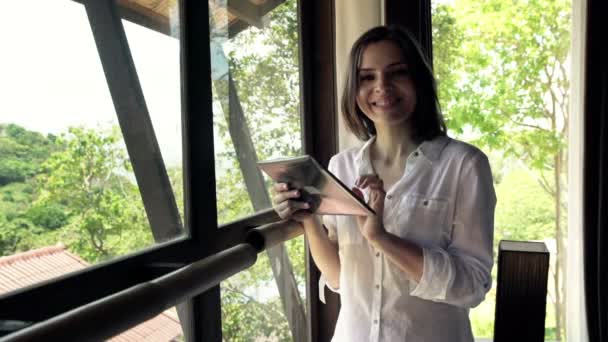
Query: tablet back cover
[[325, 193]]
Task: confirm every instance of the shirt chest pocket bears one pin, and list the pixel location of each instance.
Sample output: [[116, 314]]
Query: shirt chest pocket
[[423, 219]]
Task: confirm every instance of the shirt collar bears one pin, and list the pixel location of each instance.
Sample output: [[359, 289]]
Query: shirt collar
[[429, 149]]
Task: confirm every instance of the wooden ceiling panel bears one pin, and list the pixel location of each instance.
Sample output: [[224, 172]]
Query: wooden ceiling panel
[[232, 15]]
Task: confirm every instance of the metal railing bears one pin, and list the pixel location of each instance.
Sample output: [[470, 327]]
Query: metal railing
[[116, 313]]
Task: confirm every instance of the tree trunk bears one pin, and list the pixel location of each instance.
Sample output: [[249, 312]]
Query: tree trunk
[[560, 261]]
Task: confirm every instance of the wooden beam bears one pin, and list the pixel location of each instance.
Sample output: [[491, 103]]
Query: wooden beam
[[246, 11]]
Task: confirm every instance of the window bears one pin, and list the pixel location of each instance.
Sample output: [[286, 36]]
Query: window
[[135, 83], [256, 106], [83, 177], [503, 71], [68, 178]]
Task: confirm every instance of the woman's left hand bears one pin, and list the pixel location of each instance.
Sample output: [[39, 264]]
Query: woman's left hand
[[371, 226]]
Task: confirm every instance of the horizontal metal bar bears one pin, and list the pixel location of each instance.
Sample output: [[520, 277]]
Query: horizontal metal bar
[[111, 315], [272, 234], [97, 281]]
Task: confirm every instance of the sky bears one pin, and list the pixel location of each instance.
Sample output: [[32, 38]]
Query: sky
[[51, 77]]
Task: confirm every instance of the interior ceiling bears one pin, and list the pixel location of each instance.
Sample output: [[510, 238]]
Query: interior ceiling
[[232, 15]]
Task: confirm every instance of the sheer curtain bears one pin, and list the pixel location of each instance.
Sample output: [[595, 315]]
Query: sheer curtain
[[576, 323]]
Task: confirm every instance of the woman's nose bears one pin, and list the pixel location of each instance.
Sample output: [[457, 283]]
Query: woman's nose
[[381, 83]]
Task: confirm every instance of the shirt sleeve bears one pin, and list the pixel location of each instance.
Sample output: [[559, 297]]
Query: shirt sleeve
[[329, 222], [461, 274]]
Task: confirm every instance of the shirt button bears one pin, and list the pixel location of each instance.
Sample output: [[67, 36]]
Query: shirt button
[[426, 202], [377, 286], [377, 254], [375, 321], [416, 154], [389, 197]]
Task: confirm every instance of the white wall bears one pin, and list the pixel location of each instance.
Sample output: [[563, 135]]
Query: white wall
[[353, 17]]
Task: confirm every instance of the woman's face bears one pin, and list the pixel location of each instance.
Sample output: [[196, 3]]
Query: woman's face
[[386, 93]]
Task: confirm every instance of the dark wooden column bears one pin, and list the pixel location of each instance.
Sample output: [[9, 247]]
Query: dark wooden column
[[595, 174], [204, 321], [320, 132]]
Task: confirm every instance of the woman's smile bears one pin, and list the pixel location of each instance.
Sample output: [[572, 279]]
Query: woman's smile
[[386, 102]]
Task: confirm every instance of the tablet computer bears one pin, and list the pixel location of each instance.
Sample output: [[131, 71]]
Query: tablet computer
[[319, 187]]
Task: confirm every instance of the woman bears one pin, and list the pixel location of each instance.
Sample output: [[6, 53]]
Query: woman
[[411, 272]]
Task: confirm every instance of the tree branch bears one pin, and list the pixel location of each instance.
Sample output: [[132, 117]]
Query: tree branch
[[528, 125]]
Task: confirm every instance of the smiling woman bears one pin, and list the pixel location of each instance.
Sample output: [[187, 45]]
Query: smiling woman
[[430, 242]]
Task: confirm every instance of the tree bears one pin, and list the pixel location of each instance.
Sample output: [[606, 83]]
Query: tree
[[89, 178], [22, 152], [506, 88]]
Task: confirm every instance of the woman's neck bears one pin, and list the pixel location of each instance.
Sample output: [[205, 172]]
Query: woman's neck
[[393, 143]]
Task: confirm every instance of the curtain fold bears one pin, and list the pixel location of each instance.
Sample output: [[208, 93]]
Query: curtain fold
[[596, 172]]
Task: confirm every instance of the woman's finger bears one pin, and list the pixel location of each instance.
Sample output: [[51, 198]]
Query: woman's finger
[[365, 181], [378, 186], [286, 208], [358, 192], [285, 195], [376, 201], [280, 187]]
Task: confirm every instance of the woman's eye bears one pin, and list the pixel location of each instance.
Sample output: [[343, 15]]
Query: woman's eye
[[363, 78], [401, 73]]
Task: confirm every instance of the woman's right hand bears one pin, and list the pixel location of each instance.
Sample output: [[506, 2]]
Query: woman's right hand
[[287, 205]]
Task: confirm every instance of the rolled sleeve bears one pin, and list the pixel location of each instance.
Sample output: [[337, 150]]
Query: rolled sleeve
[[461, 274], [330, 223]]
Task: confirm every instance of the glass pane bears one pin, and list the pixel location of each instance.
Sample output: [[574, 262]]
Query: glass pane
[[69, 191], [155, 51], [256, 103], [256, 96], [503, 73]]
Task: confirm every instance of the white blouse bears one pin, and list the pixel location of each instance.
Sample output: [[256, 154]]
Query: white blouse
[[445, 203]]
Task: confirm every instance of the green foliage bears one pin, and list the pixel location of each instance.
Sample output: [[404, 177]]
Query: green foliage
[[267, 82], [22, 152], [90, 179], [51, 216], [525, 211], [504, 63], [76, 189], [246, 318]]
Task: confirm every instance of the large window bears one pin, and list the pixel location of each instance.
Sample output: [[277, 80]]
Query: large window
[[99, 93], [66, 175], [503, 73], [84, 150]]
